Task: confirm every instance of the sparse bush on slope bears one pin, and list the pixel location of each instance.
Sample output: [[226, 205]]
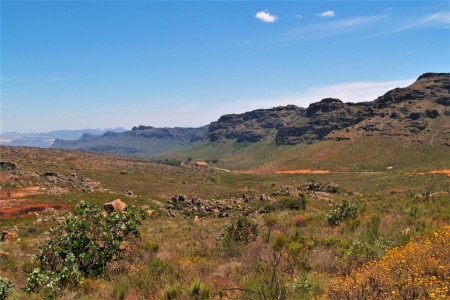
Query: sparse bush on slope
[[6, 288], [82, 247]]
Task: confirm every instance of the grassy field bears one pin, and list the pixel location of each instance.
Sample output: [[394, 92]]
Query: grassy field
[[297, 254], [365, 154]]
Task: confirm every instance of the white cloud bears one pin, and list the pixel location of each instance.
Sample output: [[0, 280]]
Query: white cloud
[[326, 14], [266, 16], [359, 91]]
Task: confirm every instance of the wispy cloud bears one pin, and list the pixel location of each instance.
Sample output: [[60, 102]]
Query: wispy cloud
[[436, 19], [326, 14], [329, 29], [359, 91], [266, 16]]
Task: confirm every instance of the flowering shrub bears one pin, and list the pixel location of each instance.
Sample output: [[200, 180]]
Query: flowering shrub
[[81, 247], [419, 270]]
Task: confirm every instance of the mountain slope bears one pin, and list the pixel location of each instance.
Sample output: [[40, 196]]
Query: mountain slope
[[418, 113]]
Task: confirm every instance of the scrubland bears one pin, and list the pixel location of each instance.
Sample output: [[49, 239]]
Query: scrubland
[[348, 235]]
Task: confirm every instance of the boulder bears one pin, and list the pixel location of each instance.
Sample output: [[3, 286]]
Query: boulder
[[116, 205], [10, 235]]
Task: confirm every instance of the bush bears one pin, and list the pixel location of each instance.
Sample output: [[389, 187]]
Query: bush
[[199, 291], [239, 230], [6, 288], [292, 204], [341, 212], [82, 246], [299, 220]]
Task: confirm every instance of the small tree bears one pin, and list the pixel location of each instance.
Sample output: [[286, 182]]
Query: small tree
[[81, 247]]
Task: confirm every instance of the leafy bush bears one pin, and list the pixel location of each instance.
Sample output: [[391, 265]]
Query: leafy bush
[[240, 230], [82, 246], [6, 288], [341, 212], [175, 163]]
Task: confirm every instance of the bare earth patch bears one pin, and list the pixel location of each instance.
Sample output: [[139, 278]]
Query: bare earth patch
[[14, 205], [20, 192], [24, 211], [444, 172], [303, 171]]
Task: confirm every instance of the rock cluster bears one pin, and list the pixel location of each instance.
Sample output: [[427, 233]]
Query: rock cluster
[[58, 184], [217, 208]]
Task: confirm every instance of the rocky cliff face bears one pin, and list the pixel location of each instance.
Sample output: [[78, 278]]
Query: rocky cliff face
[[419, 112], [254, 125]]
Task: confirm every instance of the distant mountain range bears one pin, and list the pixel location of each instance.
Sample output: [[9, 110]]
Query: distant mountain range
[[417, 113], [46, 139]]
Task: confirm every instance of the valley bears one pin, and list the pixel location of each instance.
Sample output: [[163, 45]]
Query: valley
[[334, 201]]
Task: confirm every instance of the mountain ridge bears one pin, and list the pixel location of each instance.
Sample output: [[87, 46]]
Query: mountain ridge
[[417, 113]]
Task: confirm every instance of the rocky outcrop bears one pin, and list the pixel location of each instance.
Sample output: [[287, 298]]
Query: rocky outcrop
[[322, 118], [255, 125], [415, 113]]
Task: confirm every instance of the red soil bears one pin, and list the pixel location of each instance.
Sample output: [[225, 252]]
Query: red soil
[[12, 204], [26, 210]]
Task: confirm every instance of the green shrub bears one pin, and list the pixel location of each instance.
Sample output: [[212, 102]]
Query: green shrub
[[292, 203], [6, 288], [240, 229], [339, 212], [82, 246]]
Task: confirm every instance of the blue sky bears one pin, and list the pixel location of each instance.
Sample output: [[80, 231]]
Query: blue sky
[[86, 64]]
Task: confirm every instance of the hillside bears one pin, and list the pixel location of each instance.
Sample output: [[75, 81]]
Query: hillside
[[418, 113]]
